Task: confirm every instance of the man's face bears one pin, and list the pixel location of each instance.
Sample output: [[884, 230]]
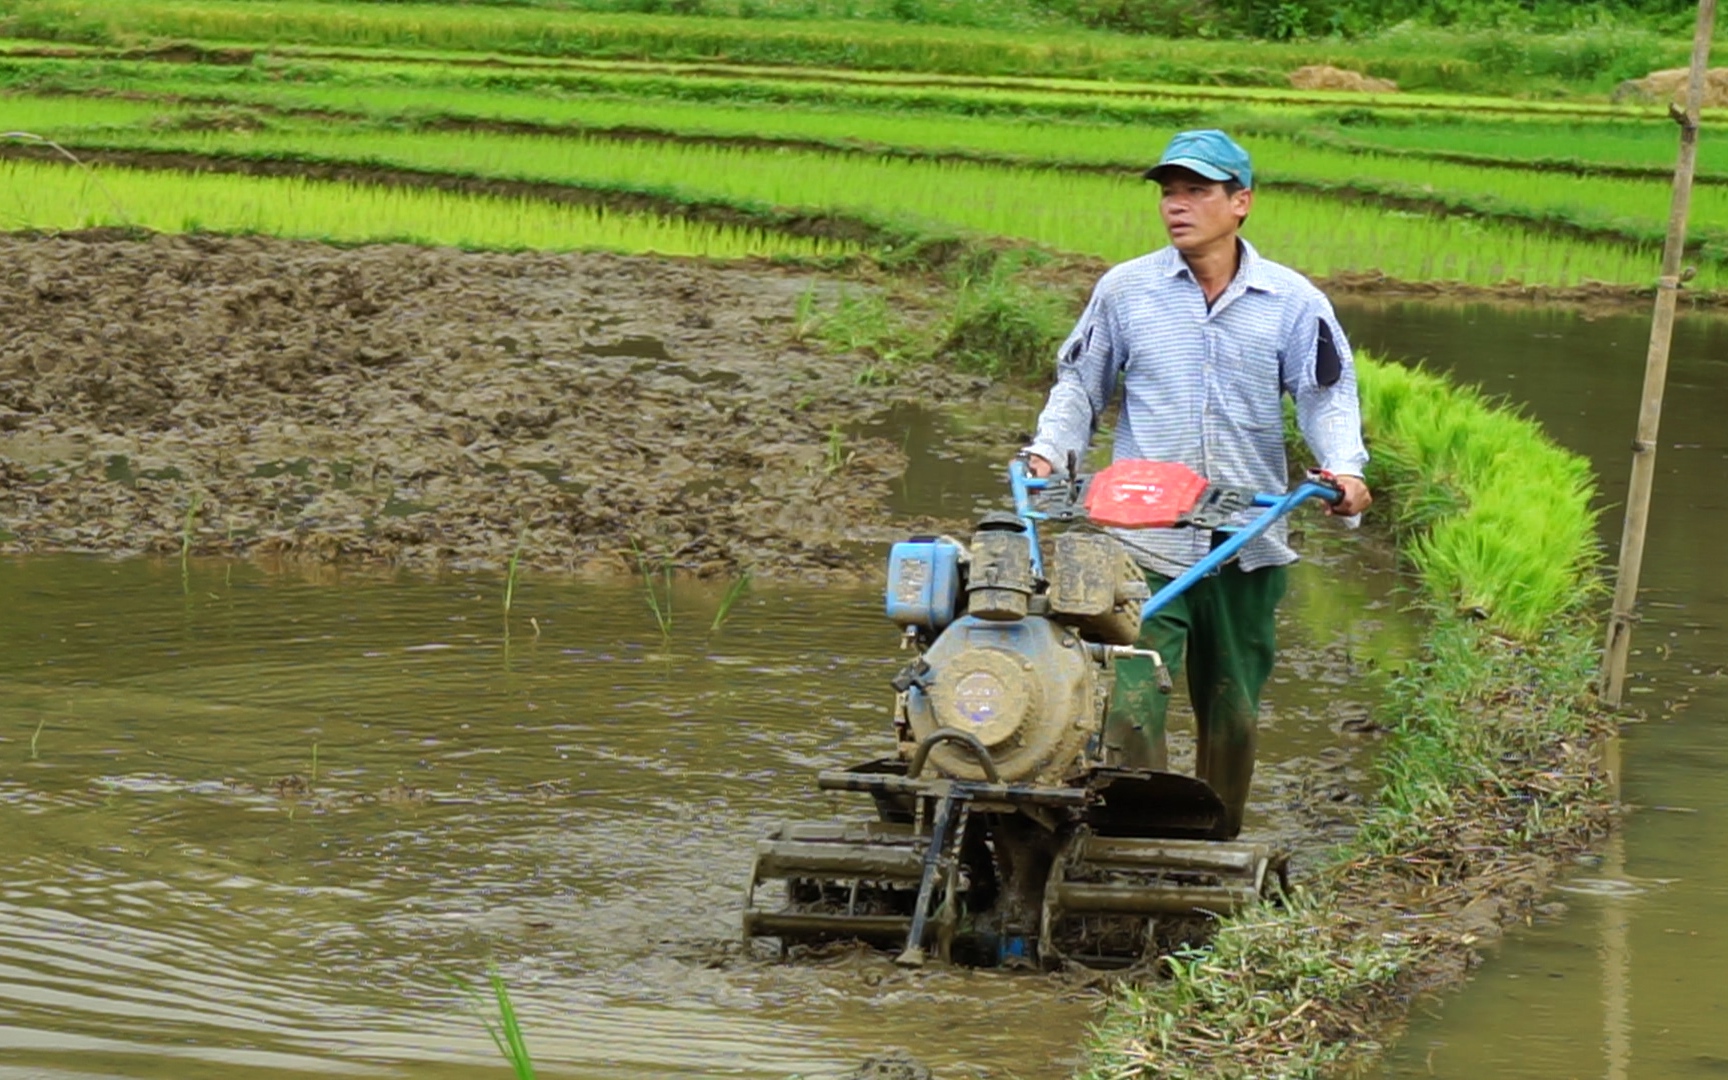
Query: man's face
[[1197, 212]]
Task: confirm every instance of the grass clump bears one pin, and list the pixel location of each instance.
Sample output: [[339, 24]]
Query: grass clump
[[989, 313], [1003, 325]]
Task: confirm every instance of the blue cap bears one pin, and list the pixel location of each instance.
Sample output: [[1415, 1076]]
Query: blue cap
[[1210, 153]]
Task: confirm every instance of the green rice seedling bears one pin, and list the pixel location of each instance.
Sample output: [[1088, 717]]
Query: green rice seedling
[[1636, 209], [511, 574], [62, 115], [189, 525], [1539, 144], [1615, 206], [657, 588], [1113, 217], [506, 1032], [752, 101], [89, 173], [1512, 536], [734, 592], [36, 736], [37, 196]]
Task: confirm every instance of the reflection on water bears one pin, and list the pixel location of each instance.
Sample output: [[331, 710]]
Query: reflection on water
[[258, 820], [1625, 984]]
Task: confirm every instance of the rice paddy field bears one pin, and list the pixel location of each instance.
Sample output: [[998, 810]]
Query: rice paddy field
[[561, 146], [777, 154]]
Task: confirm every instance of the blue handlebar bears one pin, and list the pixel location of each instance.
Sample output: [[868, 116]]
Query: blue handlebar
[[1023, 484], [1276, 507]]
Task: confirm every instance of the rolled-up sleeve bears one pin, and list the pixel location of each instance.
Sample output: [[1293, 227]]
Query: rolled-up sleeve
[[1086, 368], [1324, 388]]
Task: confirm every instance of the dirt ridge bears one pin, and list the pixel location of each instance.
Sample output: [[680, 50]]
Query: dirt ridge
[[425, 407]]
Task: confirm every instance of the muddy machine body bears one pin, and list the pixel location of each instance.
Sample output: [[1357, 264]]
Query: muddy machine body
[[1005, 828]]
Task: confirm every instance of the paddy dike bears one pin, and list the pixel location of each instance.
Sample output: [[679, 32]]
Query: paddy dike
[[423, 407]]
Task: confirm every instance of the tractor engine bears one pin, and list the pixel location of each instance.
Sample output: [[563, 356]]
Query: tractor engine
[[1019, 665], [1006, 831]]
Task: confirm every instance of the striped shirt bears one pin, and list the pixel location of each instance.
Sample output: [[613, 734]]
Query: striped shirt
[[1205, 388]]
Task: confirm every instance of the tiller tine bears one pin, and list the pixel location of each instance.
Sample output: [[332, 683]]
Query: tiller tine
[[1105, 893], [879, 882]]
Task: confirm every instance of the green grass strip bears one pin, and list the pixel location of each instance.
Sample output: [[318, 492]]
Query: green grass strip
[[60, 197], [1487, 759], [1416, 59], [939, 90]]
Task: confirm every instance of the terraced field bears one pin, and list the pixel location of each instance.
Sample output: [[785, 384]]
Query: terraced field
[[740, 160]]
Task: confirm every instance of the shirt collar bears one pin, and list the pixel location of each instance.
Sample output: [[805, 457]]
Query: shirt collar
[[1251, 271]]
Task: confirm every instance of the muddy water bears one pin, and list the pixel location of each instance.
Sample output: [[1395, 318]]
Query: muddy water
[[260, 819], [1625, 982]]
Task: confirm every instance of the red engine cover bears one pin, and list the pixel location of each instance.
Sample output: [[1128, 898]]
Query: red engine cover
[[1134, 494]]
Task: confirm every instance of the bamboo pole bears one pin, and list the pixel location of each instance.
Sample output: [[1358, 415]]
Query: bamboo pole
[[1619, 641]]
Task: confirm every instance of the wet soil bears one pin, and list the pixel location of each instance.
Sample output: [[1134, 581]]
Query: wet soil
[[426, 406]]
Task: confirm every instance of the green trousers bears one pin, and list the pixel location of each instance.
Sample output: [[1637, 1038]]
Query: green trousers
[[1221, 632]]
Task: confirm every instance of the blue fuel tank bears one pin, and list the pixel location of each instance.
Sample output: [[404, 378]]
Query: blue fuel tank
[[923, 583]]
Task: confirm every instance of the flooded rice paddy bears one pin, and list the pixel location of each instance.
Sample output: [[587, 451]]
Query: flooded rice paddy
[[262, 818], [1621, 977]]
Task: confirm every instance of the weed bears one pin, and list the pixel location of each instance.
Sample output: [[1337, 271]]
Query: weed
[[835, 456], [805, 318], [186, 532], [1000, 327]]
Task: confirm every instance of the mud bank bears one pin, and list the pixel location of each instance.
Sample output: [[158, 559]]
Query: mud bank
[[417, 406], [1322, 986]]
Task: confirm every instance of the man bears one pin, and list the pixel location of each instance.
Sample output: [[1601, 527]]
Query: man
[[1204, 337]]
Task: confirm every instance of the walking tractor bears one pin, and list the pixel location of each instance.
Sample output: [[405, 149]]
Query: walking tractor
[[1007, 829]]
